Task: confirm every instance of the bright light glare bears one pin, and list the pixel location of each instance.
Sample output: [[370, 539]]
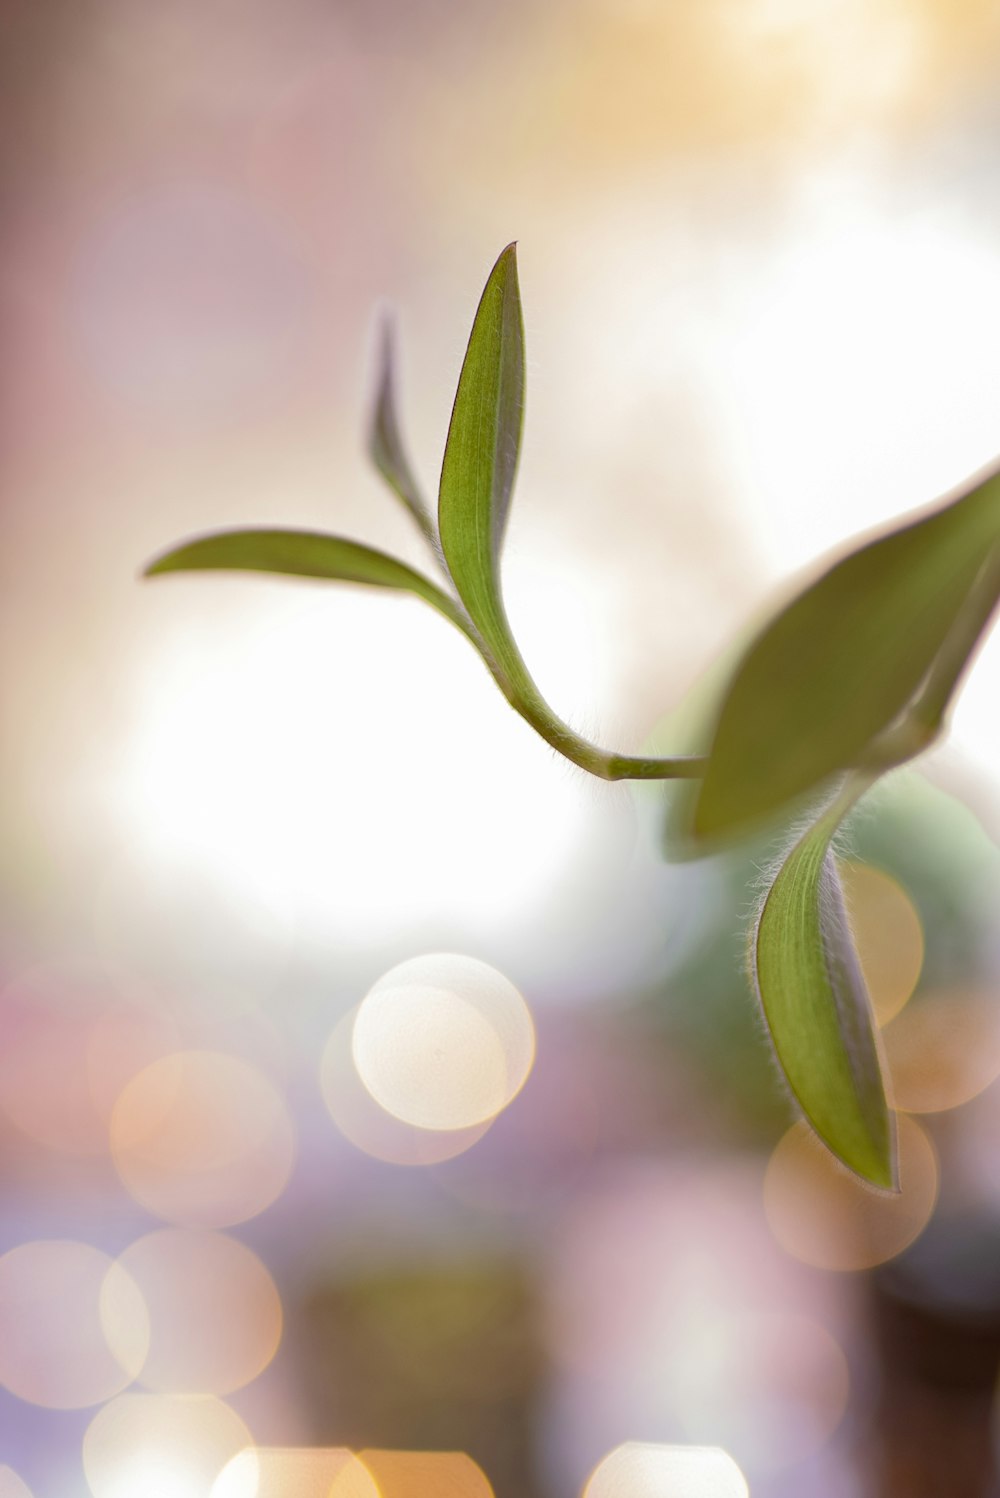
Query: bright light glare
[[443, 1042], [881, 330], [638, 1470], [156, 1477], [319, 755]]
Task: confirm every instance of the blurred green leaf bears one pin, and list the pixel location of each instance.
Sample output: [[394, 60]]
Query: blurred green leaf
[[480, 462], [293, 553], [386, 445], [817, 1007], [842, 661]]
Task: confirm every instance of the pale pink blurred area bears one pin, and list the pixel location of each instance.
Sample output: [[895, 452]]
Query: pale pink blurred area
[[759, 252]]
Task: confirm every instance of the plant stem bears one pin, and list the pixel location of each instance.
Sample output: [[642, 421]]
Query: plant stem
[[606, 765]]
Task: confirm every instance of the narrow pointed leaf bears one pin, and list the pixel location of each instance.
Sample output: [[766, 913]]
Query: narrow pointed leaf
[[817, 1007], [480, 461], [385, 443], [294, 553], [841, 662]]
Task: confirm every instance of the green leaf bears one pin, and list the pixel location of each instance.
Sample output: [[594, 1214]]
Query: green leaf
[[386, 445], [842, 661], [294, 553], [817, 1007], [480, 462]]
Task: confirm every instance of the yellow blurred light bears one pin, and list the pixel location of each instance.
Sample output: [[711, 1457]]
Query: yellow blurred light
[[203, 1139], [214, 1313], [367, 1125], [641, 1470], [12, 1486], [443, 1042], [150, 1446], [54, 1350], [889, 937], [826, 1217], [943, 1050], [418, 1474], [290, 1472], [295, 1472]]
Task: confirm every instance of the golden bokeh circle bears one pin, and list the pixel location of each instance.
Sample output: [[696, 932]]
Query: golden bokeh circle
[[202, 1139], [943, 1050], [822, 1214], [888, 934]]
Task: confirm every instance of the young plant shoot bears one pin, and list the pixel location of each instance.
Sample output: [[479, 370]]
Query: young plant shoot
[[851, 678]]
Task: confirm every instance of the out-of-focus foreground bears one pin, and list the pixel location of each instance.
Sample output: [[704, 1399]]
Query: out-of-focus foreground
[[278, 1178]]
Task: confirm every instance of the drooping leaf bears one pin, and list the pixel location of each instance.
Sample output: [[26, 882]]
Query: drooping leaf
[[385, 443], [817, 1007], [294, 553], [480, 461], [841, 662]]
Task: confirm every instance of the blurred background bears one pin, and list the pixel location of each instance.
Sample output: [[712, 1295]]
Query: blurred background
[[759, 244]]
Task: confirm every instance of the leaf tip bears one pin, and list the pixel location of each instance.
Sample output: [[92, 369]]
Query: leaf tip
[[386, 338], [507, 258], [882, 1171]]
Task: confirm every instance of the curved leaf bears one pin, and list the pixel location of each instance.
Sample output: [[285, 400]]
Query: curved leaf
[[480, 462], [386, 445], [842, 661], [817, 1007], [294, 553]]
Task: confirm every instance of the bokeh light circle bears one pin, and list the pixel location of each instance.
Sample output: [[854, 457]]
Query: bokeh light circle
[[368, 1126], [74, 1033], [943, 1050], [202, 1139], [888, 935], [643, 1470], [443, 1042], [58, 1300], [12, 1486], [155, 1446], [215, 1316], [295, 1472], [827, 1217], [417, 1474]]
